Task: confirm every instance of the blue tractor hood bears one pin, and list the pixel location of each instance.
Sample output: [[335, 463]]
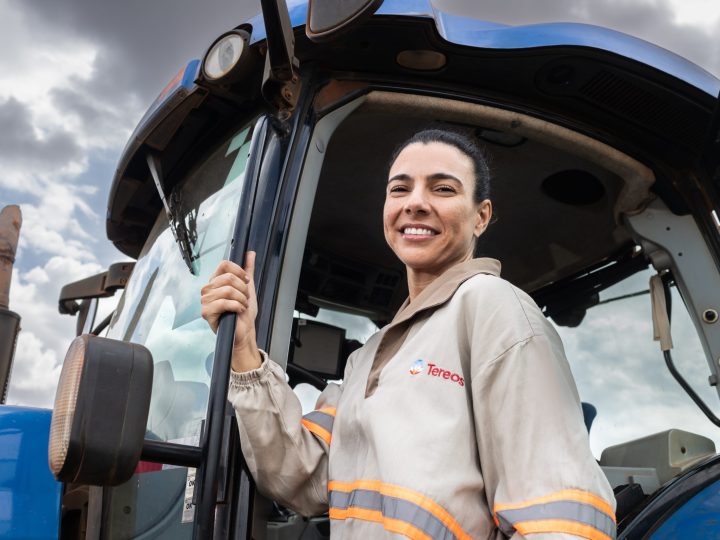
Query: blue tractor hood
[[488, 35]]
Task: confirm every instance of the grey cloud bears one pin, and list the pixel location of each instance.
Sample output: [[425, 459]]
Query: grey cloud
[[106, 119], [20, 145], [143, 44], [70, 99]]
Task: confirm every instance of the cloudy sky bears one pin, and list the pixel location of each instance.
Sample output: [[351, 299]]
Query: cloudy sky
[[76, 76]]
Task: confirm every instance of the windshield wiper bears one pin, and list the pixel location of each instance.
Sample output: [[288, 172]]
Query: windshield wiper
[[185, 234]]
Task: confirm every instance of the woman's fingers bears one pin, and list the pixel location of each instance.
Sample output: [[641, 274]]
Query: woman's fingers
[[225, 280], [226, 292], [212, 311], [229, 267], [229, 289]]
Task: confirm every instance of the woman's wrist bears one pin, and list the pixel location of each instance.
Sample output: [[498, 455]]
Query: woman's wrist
[[246, 356]]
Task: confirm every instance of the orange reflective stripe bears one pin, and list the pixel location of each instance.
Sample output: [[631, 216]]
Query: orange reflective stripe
[[560, 526], [576, 495], [403, 493], [392, 525], [328, 410], [320, 431]]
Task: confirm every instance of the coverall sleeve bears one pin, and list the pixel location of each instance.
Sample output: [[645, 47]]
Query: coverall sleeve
[[286, 452], [541, 479]]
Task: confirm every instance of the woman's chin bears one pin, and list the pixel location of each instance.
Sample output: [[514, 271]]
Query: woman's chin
[[430, 264], [419, 265]]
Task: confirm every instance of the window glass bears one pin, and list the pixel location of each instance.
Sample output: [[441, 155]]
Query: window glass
[[620, 370], [161, 309], [161, 305], [356, 327]]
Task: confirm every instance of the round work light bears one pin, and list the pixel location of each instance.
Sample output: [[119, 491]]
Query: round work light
[[225, 56]]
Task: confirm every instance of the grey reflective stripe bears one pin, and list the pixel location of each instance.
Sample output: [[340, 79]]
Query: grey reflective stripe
[[564, 510], [322, 419], [504, 525], [393, 508]]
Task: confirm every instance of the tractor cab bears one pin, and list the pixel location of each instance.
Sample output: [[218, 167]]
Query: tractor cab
[[604, 156]]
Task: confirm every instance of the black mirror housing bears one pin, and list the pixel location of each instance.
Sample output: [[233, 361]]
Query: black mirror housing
[[101, 411], [328, 20]]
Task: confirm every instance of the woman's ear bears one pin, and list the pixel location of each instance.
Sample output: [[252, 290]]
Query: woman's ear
[[482, 217]]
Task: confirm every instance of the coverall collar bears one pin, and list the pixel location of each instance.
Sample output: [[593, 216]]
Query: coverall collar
[[435, 294], [444, 286]]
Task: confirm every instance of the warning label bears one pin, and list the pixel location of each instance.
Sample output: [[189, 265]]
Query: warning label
[[188, 507]]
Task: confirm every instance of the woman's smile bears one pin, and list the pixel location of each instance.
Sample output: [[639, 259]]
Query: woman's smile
[[417, 232]]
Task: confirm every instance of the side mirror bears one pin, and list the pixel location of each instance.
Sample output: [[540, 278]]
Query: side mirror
[[327, 20], [101, 411]]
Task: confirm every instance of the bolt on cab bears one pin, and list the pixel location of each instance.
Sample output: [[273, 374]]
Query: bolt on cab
[[604, 155]]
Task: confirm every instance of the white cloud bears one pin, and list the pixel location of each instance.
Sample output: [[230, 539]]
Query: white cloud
[[704, 13], [35, 372], [45, 334], [42, 58]]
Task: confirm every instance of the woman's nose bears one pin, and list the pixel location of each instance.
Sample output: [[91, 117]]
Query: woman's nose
[[416, 202]]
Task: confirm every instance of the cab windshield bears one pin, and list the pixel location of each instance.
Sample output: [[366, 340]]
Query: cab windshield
[[160, 309]]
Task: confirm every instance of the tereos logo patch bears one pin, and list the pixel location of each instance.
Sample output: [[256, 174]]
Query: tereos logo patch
[[417, 367]]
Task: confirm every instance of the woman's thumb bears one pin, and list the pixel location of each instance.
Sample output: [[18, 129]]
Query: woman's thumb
[[250, 264]]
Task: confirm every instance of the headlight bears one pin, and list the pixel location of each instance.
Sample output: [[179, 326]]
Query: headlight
[[225, 55]]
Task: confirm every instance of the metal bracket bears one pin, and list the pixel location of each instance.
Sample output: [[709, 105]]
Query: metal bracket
[[281, 81], [675, 243], [101, 285]]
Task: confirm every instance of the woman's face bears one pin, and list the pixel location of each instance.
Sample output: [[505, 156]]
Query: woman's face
[[430, 218]]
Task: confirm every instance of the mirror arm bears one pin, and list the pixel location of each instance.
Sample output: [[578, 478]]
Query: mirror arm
[[179, 455], [281, 83], [280, 39], [102, 325], [102, 285]]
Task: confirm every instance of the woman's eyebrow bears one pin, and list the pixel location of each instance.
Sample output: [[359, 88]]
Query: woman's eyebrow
[[443, 176], [433, 177], [401, 176]]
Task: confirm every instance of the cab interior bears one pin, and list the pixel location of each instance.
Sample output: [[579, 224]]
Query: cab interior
[[558, 201]]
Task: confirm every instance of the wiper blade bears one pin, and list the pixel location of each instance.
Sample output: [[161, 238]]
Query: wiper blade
[[185, 234]]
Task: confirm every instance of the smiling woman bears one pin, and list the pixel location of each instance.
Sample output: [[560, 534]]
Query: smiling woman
[[437, 204], [464, 339]]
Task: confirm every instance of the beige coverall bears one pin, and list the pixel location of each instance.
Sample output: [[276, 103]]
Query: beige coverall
[[460, 419]]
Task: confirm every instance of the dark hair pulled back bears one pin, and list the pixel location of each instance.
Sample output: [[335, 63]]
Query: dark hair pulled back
[[463, 143]]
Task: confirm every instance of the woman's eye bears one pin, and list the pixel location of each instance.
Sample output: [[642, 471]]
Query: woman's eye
[[445, 189], [398, 189]]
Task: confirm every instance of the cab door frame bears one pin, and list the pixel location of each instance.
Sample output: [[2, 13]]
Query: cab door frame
[[266, 222]]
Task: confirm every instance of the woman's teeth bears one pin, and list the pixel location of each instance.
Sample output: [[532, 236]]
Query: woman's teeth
[[418, 232]]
